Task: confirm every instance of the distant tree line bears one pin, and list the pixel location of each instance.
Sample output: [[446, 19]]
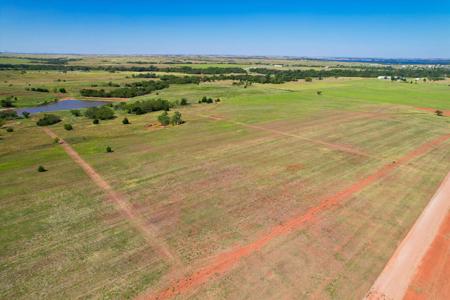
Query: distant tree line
[[280, 76], [186, 70], [130, 90]]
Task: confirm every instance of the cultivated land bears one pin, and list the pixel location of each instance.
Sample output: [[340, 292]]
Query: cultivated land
[[275, 192]]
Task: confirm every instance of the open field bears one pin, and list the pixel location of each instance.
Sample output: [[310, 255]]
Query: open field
[[275, 192]]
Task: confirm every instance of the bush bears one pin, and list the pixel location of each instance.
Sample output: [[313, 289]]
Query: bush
[[164, 118], [56, 140], [25, 114], [8, 114], [96, 121], [439, 113], [184, 102], [308, 79], [101, 113], [319, 93], [9, 129], [8, 102], [41, 90], [68, 126], [109, 149], [48, 119], [75, 112], [176, 119], [41, 169], [125, 121], [206, 100]]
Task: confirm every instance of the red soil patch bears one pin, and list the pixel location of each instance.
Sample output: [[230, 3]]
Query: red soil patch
[[120, 203], [294, 167], [432, 280], [445, 112], [224, 262]]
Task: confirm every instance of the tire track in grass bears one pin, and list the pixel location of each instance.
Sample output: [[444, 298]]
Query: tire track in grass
[[147, 231], [224, 262], [332, 146]]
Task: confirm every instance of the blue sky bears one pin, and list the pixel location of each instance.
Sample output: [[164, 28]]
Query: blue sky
[[408, 29]]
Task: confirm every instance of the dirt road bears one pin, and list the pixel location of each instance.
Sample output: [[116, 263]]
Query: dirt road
[[411, 260], [121, 204]]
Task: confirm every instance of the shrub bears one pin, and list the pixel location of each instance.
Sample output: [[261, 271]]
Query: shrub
[[319, 93], [56, 140], [184, 102], [25, 114], [109, 149], [41, 169], [101, 113], [176, 119], [125, 121], [439, 113], [96, 121], [9, 129], [8, 114], [68, 126], [308, 79], [41, 90], [8, 102], [206, 100], [75, 112], [164, 118], [48, 119]]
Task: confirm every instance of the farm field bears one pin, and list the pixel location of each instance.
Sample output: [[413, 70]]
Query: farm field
[[275, 192]]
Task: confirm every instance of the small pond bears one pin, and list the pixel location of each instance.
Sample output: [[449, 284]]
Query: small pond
[[61, 105]]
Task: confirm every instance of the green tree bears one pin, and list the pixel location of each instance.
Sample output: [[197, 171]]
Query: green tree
[[125, 121], [48, 119], [176, 119], [109, 149], [164, 118], [68, 126], [75, 112]]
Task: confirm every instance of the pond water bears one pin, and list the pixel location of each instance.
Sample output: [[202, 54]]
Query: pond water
[[61, 105]]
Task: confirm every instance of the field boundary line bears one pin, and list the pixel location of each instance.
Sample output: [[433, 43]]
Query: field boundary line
[[332, 146], [224, 262], [394, 280], [146, 230]]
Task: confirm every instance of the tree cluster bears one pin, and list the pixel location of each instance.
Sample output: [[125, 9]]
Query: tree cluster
[[99, 113]]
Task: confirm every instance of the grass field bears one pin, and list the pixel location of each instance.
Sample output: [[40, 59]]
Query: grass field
[[260, 158]]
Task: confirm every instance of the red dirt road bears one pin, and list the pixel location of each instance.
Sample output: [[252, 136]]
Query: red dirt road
[[224, 262], [432, 280], [121, 204], [419, 260]]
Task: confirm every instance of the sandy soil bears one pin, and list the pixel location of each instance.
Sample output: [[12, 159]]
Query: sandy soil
[[121, 204], [224, 262], [405, 265]]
